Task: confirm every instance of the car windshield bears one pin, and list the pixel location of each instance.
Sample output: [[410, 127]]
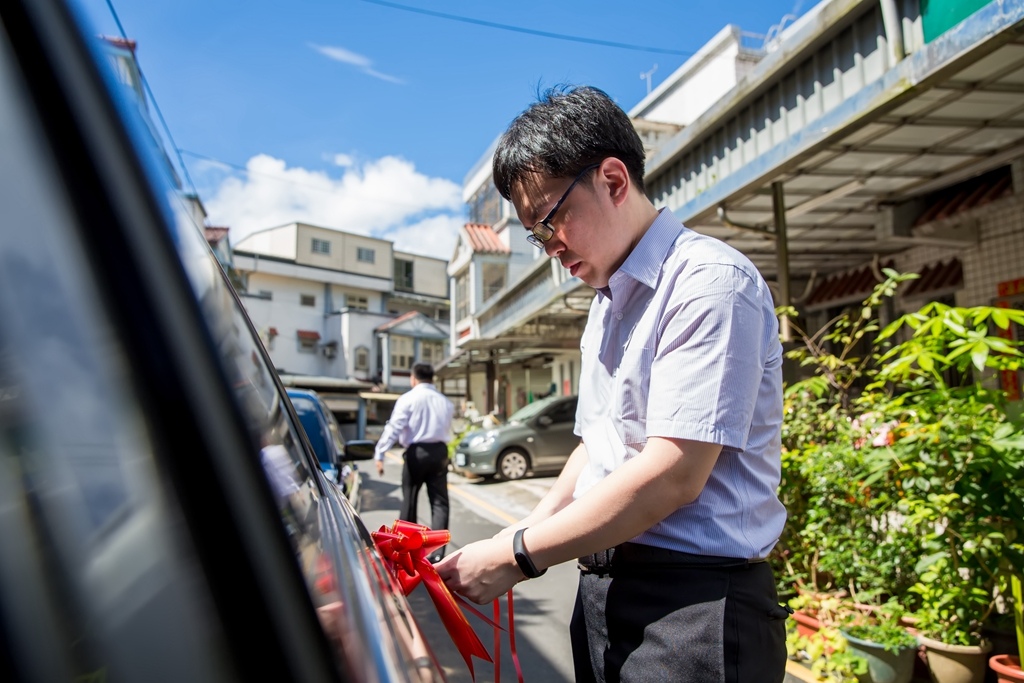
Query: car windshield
[[531, 410]]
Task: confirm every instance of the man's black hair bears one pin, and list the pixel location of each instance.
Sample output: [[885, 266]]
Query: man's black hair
[[567, 129], [423, 372]]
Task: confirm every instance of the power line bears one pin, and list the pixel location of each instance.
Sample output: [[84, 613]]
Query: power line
[[152, 98], [529, 31]]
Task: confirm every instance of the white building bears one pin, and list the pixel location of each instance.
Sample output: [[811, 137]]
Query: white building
[[867, 132], [337, 304]]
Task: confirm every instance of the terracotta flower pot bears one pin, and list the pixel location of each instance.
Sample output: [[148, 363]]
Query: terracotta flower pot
[[955, 663], [1007, 668], [806, 625]]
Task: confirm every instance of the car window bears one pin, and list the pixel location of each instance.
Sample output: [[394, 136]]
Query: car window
[[563, 412], [310, 418], [334, 429], [532, 409]]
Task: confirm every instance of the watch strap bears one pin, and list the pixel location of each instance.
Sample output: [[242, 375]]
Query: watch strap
[[523, 558]]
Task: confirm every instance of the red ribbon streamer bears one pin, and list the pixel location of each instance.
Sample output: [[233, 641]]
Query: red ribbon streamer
[[405, 548]]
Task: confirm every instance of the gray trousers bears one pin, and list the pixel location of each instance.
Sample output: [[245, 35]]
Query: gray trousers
[[650, 622]]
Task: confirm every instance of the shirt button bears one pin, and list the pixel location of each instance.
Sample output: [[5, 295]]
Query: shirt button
[[618, 316]]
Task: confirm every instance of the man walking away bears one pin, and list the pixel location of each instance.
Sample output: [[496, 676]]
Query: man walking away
[[422, 423]]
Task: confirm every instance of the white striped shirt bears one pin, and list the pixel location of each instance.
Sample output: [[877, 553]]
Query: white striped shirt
[[683, 343]]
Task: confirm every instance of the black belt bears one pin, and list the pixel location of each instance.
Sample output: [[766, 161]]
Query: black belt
[[635, 556]]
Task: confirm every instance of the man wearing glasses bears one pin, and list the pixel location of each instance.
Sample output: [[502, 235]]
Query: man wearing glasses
[[669, 504]]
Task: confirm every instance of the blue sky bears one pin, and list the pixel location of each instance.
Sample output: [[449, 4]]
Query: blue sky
[[363, 116]]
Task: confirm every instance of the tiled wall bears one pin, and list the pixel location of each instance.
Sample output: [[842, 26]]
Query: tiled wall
[[998, 256]]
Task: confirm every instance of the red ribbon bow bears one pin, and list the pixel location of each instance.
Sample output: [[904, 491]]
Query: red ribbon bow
[[405, 547]]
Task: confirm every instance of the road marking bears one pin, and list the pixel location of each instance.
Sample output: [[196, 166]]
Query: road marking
[[501, 514]]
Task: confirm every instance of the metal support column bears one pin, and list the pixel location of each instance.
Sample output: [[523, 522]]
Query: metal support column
[[782, 255], [492, 382]]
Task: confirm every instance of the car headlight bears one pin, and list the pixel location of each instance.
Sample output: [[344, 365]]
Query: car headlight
[[480, 440]]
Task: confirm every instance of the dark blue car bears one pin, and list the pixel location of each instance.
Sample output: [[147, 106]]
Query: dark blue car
[[337, 458]]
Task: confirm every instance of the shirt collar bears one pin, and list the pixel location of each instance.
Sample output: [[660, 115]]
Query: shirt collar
[[645, 261]]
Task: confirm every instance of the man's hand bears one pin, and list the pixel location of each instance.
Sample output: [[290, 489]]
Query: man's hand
[[481, 571], [380, 468]]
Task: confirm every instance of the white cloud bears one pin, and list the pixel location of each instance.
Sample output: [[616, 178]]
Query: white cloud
[[344, 160], [364, 63], [384, 198]]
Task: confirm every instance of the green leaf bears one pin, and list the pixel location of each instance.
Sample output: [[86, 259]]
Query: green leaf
[[979, 355], [927, 561], [1000, 319]]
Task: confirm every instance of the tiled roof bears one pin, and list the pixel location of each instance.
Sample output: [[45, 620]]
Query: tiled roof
[[483, 239], [215, 235], [845, 287], [936, 277], [855, 285], [967, 196], [397, 321]]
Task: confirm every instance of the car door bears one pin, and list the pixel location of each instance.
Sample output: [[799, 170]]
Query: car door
[[161, 517], [554, 437]]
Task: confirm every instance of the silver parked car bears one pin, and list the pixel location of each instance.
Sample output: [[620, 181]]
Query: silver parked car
[[537, 437]]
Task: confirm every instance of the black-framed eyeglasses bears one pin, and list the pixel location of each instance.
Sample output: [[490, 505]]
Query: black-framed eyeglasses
[[542, 231]]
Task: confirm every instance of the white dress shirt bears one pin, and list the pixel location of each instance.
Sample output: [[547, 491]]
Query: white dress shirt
[[421, 415], [683, 343]]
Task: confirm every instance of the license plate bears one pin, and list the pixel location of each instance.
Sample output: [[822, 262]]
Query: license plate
[[460, 459]]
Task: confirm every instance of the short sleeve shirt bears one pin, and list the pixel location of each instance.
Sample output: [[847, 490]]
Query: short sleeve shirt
[[683, 343]]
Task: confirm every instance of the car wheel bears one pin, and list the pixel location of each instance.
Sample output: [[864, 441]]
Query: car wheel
[[513, 464]]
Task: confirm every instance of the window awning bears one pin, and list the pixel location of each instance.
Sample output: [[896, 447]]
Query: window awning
[[311, 335]]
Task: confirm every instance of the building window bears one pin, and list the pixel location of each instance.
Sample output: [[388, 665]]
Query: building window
[[362, 359], [321, 246], [307, 300], [401, 353], [308, 340], [357, 303], [461, 296], [365, 255], [485, 205], [493, 279], [403, 275], [431, 352]]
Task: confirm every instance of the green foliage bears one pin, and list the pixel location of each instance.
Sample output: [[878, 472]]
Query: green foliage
[[881, 626], [458, 436], [902, 473], [827, 653]]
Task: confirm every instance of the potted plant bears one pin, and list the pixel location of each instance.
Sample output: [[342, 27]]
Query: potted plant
[[878, 636], [1007, 667], [904, 471], [828, 655]]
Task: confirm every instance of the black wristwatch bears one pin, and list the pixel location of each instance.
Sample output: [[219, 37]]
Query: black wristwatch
[[523, 558]]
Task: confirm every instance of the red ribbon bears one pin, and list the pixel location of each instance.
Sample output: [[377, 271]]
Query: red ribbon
[[405, 547]]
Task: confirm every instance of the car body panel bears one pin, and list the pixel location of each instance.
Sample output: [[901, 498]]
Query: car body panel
[[162, 513]]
